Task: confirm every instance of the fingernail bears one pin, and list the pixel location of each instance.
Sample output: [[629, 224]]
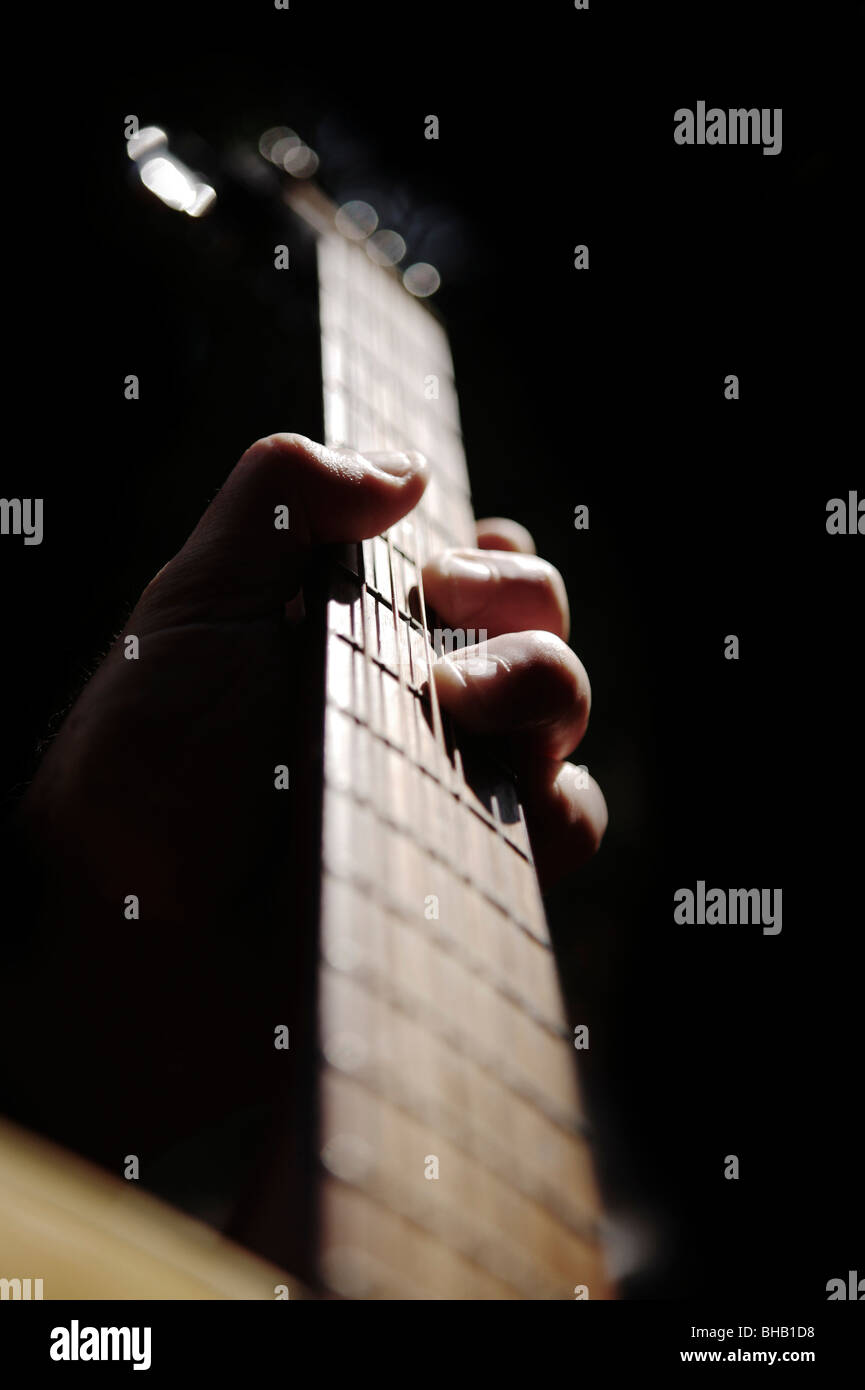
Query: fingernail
[[456, 566], [398, 465], [445, 667], [474, 661]]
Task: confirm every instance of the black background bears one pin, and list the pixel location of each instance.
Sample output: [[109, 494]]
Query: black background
[[603, 388]]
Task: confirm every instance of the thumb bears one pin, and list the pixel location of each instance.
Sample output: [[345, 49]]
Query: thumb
[[246, 556]]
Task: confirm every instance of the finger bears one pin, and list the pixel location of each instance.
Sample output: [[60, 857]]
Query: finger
[[566, 815], [287, 494], [498, 591], [527, 685], [500, 533]]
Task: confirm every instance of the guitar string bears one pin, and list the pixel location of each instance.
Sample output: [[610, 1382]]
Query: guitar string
[[430, 790], [386, 408], [363, 755], [358, 333], [431, 1080], [457, 810], [382, 421], [388, 436], [461, 523]]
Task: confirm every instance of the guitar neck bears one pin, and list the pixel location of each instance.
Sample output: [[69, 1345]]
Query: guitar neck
[[453, 1155]]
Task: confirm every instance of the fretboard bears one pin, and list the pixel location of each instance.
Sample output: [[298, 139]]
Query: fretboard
[[454, 1158]]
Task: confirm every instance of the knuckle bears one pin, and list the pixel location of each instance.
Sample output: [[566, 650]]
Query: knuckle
[[275, 450]]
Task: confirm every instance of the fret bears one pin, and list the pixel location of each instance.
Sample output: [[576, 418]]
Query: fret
[[516, 906], [542, 1167], [549, 1091], [351, 697], [483, 951], [441, 1032], [374, 1253], [484, 1216]]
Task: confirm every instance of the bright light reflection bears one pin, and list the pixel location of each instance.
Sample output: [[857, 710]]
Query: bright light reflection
[[356, 220], [386, 248], [176, 186], [284, 148], [205, 197], [168, 182], [301, 162], [271, 137], [149, 138], [421, 279]]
